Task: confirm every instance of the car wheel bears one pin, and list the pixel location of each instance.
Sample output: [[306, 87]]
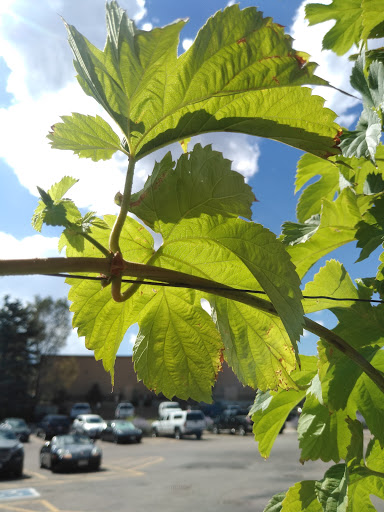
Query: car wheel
[[242, 431], [19, 471], [215, 430], [198, 435], [155, 432], [42, 465], [115, 439], [177, 433], [138, 439]]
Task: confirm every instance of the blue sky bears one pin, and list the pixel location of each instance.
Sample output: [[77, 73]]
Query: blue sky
[[37, 85]]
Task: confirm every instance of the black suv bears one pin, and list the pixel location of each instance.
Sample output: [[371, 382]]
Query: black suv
[[232, 421], [53, 425]]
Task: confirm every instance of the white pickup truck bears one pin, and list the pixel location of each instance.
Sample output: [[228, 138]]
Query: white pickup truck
[[180, 423]]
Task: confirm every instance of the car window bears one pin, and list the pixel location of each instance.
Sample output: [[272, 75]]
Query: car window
[[7, 434], [195, 415], [178, 416], [124, 425], [94, 420], [72, 439], [16, 422]]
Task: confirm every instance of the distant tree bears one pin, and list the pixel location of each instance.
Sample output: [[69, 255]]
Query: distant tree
[[28, 332], [94, 394]]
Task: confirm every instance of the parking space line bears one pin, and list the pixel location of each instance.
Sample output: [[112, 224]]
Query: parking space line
[[17, 508], [37, 475]]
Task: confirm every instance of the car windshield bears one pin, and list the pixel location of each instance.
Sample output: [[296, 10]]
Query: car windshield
[[58, 420], [195, 415], [7, 434], [94, 419], [15, 422], [124, 425], [72, 439]]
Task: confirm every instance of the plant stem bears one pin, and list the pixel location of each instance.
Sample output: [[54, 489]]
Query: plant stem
[[94, 242], [139, 270], [118, 226]]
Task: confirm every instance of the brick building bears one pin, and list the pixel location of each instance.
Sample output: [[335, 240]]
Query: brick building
[[76, 375]]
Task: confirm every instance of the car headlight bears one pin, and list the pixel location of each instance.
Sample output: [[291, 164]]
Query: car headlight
[[95, 452], [64, 454]]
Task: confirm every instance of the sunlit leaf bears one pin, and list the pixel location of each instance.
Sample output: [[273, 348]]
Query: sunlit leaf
[[302, 496], [271, 409], [201, 182], [247, 80], [356, 20], [87, 136]]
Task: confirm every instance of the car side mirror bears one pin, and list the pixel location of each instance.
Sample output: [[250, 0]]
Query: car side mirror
[[47, 444]]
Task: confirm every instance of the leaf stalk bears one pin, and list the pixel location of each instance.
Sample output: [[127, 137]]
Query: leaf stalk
[[118, 226]]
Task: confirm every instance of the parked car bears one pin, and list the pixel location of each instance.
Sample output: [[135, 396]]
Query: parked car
[[121, 431], [80, 408], [165, 407], [11, 453], [89, 424], [124, 410], [71, 451], [180, 423], [19, 428], [53, 425], [232, 420]]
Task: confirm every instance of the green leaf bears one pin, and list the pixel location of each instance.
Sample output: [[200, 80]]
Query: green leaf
[[271, 409], [364, 140], [240, 75], [333, 281], [308, 167], [337, 227], [356, 21], [332, 489], [373, 19], [374, 458], [295, 233], [323, 434], [250, 256], [97, 316], [178, 349], [257, 346], [87, 136], [302, 496], [370, 232], [52, 209], [275, 503], [374, 184], [368, 399], [202, 182], [362, 484]]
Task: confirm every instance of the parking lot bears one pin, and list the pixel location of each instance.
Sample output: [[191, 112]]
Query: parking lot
[[217, 473]]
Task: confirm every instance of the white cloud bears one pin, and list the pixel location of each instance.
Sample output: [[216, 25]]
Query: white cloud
[[36, 246], [147, 26], [33, 40], [335, 69], [187, 43]]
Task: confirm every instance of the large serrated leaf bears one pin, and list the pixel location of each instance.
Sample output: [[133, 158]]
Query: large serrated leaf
[[233, 252], [202, 182], [257, 346], [323, 434], [87, 136], [337, 227], [240, 75], [178, 349], [271, 409]]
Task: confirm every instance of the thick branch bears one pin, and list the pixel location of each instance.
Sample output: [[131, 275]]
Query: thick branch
[[102, 265]]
